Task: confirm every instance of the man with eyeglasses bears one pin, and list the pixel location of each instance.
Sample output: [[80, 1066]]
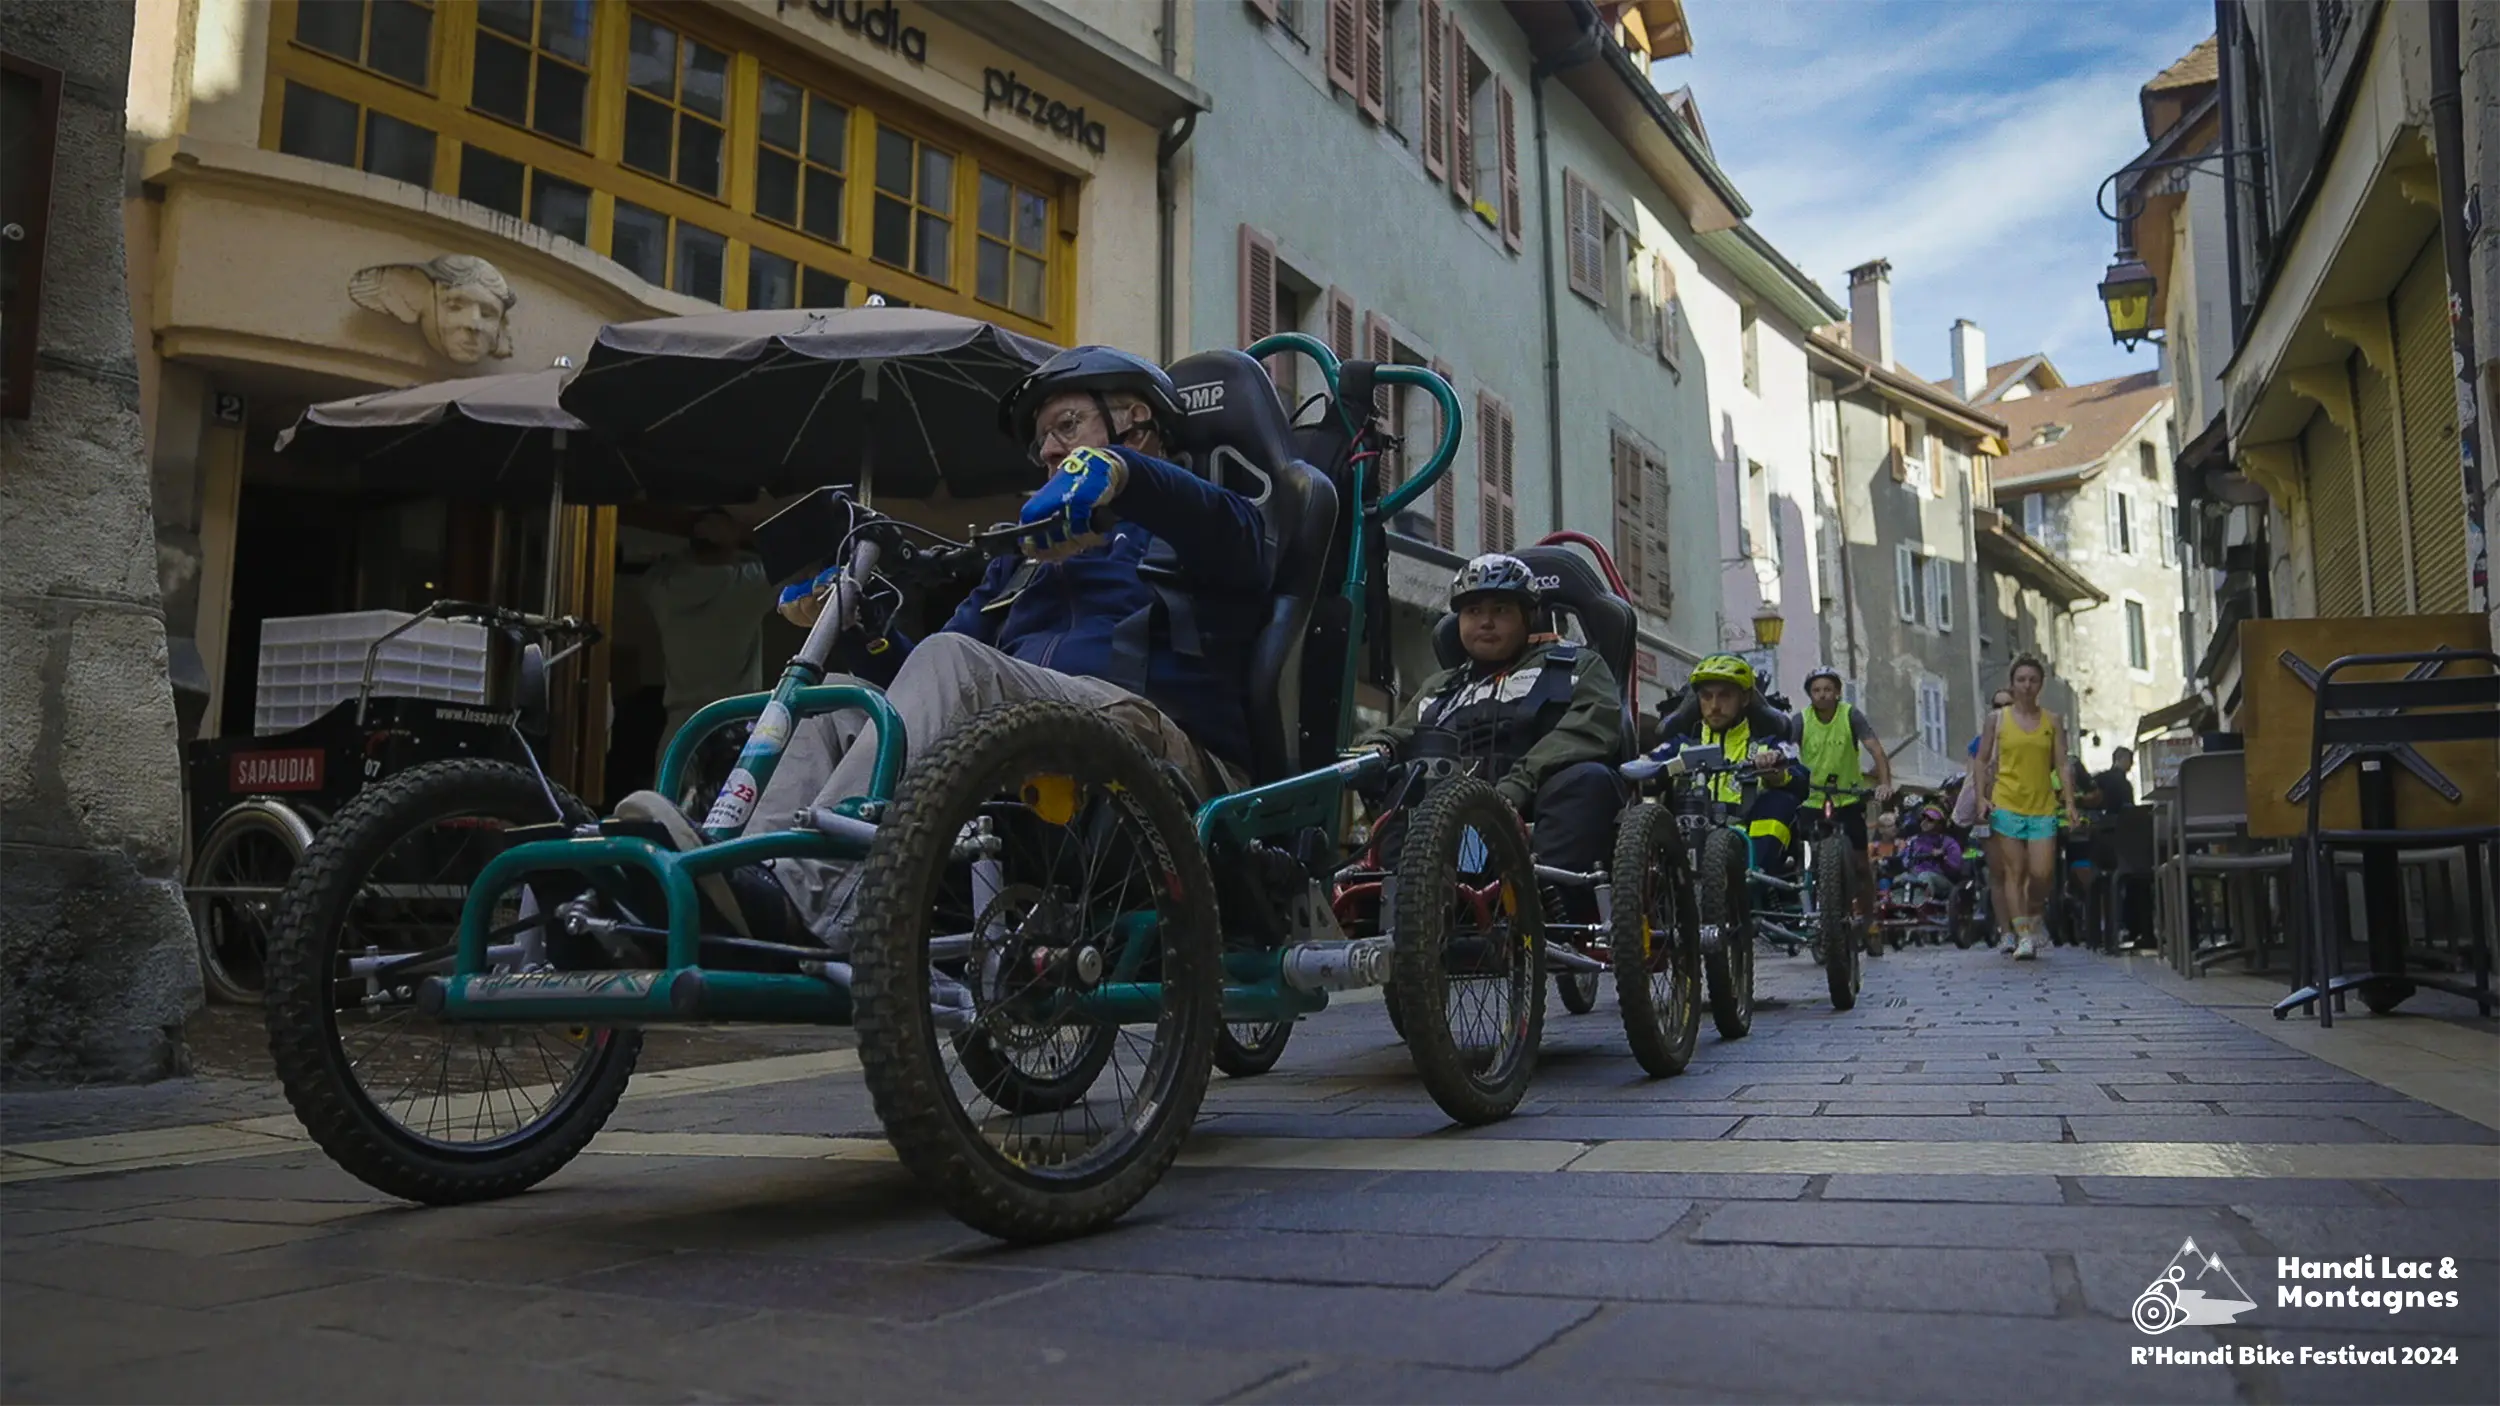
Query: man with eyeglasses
[[1140, 595]]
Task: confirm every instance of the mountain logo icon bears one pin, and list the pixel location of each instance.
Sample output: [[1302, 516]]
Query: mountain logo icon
[[2189, 1293]]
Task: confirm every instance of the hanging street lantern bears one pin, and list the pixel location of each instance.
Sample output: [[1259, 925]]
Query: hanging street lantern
[[2127, 295], [1767, 627]]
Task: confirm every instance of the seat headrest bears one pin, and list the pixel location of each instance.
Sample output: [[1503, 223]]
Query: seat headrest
[[1567, 579], [1231, 409]]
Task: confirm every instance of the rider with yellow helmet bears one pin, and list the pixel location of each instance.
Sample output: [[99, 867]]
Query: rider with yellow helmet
[[1725, 710]]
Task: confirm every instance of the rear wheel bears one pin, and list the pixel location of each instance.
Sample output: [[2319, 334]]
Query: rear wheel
[[1247, 1051], [1037, 884], [1843, 955], [243, 864], [409, 1105], [1578, 990], [1656, 941], [1470, 958], [1727, 907]]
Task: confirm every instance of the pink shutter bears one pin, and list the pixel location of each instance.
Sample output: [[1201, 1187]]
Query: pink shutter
[[1488, 475], [1433, 41], [1462, 137], [1445, 488], [1380, 347], [1504, 116], [1341, 324], [1257, 286], [1585, 247], [1510, 482], [1373, 97], [1630, 528], [1345, 42], [1654, 552]]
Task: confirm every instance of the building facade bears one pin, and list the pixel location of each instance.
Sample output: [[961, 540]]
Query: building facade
[[342, 197], [1902, 466]]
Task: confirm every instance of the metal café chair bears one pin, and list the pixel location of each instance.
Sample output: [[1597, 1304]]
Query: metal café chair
[[2209, 832], [2373, 725]]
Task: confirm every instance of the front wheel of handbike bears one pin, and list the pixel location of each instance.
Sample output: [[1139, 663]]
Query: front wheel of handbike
[[1470, 958], [1843, 962], [1727, 906], [415, 1107], [1037, 884], [1656, 941], [1247, 1051]]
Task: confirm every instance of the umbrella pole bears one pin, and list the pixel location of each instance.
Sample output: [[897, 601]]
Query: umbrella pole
[[870, 374], [555, 530]]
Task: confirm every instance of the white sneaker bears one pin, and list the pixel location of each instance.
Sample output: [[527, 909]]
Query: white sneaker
[[2023, 951]]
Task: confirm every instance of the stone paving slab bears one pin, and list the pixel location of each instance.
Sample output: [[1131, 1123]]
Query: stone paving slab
[[1836, 1246]]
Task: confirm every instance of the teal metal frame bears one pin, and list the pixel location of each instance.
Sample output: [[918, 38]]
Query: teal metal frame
[[684, 990]]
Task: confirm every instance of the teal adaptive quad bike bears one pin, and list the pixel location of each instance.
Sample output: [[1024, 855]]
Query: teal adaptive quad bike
[[1050, 937]]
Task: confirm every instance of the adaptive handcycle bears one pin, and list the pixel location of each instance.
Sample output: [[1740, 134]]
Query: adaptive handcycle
[[1633, 917], [1047, 928]]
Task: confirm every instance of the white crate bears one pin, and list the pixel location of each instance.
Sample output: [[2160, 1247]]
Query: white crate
[[309, 662]]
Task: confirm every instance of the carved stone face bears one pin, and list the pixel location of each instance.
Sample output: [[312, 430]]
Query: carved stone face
[[459, 303]]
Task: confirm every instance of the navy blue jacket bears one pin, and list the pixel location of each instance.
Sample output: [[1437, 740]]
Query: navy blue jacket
[[1211, 560]]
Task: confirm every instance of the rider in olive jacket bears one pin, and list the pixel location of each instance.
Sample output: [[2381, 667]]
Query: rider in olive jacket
[[1545, 712]]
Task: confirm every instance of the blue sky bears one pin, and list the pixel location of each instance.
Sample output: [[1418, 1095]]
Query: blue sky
[[1963, 141]]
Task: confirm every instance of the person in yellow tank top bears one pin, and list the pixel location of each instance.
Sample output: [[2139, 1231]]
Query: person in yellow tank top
[[2022, 755]]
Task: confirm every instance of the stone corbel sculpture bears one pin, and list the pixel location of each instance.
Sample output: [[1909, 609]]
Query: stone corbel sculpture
[[459, 301]]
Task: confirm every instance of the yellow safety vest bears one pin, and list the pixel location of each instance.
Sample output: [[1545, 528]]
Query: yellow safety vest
[[1831, 749]]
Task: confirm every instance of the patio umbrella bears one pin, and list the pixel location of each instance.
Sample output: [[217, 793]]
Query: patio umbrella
[[895, 400], [500, 438]]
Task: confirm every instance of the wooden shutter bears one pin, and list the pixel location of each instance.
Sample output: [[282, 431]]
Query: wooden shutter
[[1900, 454], [1379, 347], [1656, 556], [1905, 582], [1505, 116], [2334, 522], [1445, 488], [1266, 9], [1373, 97], [1631, 528], [1584, 217], [1341, 324], [1670, 329], [1433, 46], [1462, 119], [1497, 495], [1345, 42], [2434, 486], [1257, 286], [1510, 481]]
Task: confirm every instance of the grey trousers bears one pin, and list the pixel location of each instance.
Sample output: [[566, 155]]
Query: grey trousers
[[947, 679]]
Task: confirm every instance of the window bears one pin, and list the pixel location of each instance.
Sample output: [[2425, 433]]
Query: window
[[1641, 551], [394, 38], [331, 129], [1826, 418], [1914, 448], [1011, 258], [1496, 480], [915, 222], [1939, 578], [2139, 651], [2148, 459], [533, 65], [2173, 533], [1432, 88], [1474, 92], [802, 145], [1585, 214], [1750, 328], [669, 253], [553, 204], [1931, 723], [677, 108], [1670, 310], [2036, 517], [2122, 522], [776, 282], [1922, 588], [1905, 582], [1401, 50]]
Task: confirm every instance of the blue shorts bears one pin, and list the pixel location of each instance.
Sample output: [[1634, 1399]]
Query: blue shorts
[[2022, 827]]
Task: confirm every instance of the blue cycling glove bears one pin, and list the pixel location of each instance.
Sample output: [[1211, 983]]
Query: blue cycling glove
[[1062, 513]]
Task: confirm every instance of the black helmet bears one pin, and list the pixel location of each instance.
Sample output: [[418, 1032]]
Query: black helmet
[[1099, 370], [1824, 671], [1494, 574]]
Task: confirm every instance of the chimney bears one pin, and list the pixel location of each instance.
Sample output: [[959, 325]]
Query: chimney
[[1870, 311], [1970, 359]]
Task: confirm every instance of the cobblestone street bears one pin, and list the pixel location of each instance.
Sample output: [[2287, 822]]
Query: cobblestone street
[[1954, 1193]]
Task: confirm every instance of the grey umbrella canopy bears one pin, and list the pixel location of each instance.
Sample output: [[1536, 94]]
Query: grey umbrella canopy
[[899, 399], [501, 438]]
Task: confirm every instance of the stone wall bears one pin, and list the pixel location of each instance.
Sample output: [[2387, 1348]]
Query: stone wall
[[96, 965]]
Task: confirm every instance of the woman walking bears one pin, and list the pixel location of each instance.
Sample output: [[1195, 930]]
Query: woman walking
[[2022, 753]]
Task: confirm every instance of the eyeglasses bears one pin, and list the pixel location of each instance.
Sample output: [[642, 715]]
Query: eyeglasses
[[1061, 432]]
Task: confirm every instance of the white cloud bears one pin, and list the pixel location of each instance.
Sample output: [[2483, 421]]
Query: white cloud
[[1962, 141]]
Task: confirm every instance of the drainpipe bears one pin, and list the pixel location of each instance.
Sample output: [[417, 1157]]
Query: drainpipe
[[1168, 144], [2448, 147], [1580, 51], [1840, 506]]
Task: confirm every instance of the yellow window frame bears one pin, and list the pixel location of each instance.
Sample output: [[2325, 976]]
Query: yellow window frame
[[675, 105], [809, 96], [537, 50], [1050, 237], [284, 19]]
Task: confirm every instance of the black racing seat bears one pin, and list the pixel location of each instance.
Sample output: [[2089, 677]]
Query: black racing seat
[[1237, 435], [1568, 582]]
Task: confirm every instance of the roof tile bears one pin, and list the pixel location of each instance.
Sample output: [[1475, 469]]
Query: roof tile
[[2095, 417]]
